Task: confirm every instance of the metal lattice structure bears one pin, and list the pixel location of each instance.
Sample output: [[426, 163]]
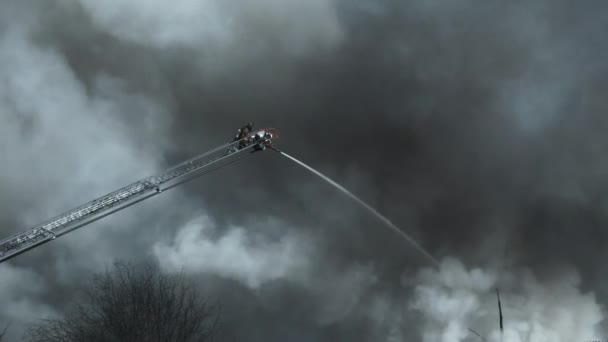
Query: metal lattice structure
[[134, 193]]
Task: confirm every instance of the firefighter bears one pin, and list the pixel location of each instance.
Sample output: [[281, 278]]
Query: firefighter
[[242, 135]]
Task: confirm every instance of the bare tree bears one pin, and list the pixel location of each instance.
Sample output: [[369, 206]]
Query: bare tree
[[134, 303]]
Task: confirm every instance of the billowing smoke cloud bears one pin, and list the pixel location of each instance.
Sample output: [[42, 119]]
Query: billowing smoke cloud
[[21, 293], [240, 254], [479, 127], [222, 34], [61, 145], [264, 253], [455, 299], [192, 23]]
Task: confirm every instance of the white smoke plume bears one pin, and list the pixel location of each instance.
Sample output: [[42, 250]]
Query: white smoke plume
[[496, 110], [61, 144], [263, 252], [217, 24], [239, 253], [455, 298], [21, 291]]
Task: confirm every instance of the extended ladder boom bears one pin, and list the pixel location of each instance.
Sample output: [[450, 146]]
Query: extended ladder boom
[[132, 194]]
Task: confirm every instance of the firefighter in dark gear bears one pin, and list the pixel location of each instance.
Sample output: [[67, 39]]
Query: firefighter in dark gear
[[242, 136]]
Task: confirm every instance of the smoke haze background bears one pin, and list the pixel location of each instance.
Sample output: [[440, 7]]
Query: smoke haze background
[[477, 126]]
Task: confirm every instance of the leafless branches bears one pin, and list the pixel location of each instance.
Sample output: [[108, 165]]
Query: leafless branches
[[134, 303]]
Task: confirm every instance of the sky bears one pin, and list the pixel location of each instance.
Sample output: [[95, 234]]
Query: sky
[[478, 127]]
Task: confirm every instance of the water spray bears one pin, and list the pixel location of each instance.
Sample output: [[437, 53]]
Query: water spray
[[385, 220], [365, 205]]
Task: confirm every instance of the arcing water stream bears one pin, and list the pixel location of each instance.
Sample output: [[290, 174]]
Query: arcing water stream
[[386, 221], [375, 212]]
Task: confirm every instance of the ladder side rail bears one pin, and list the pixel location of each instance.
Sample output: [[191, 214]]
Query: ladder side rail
[[100, 201], [184, 168], [41, 237], [93, 206], [200, 167], [71, 217], [50, 228], [198, 161], [223, 148]]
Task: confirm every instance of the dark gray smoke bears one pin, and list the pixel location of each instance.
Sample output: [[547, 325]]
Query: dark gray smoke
[[477, 126]]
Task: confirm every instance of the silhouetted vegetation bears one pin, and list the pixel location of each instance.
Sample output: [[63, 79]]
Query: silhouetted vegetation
[[134, 303]]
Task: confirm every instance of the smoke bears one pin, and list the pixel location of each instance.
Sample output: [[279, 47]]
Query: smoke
[[245, 254], [455, 298], [381, 217], [263, 254], [46, 110], [478, 127], [220, 31], [61, 145], [21, 292]]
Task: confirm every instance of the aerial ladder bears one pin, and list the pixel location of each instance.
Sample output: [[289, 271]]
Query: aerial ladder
[[136, 192]]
